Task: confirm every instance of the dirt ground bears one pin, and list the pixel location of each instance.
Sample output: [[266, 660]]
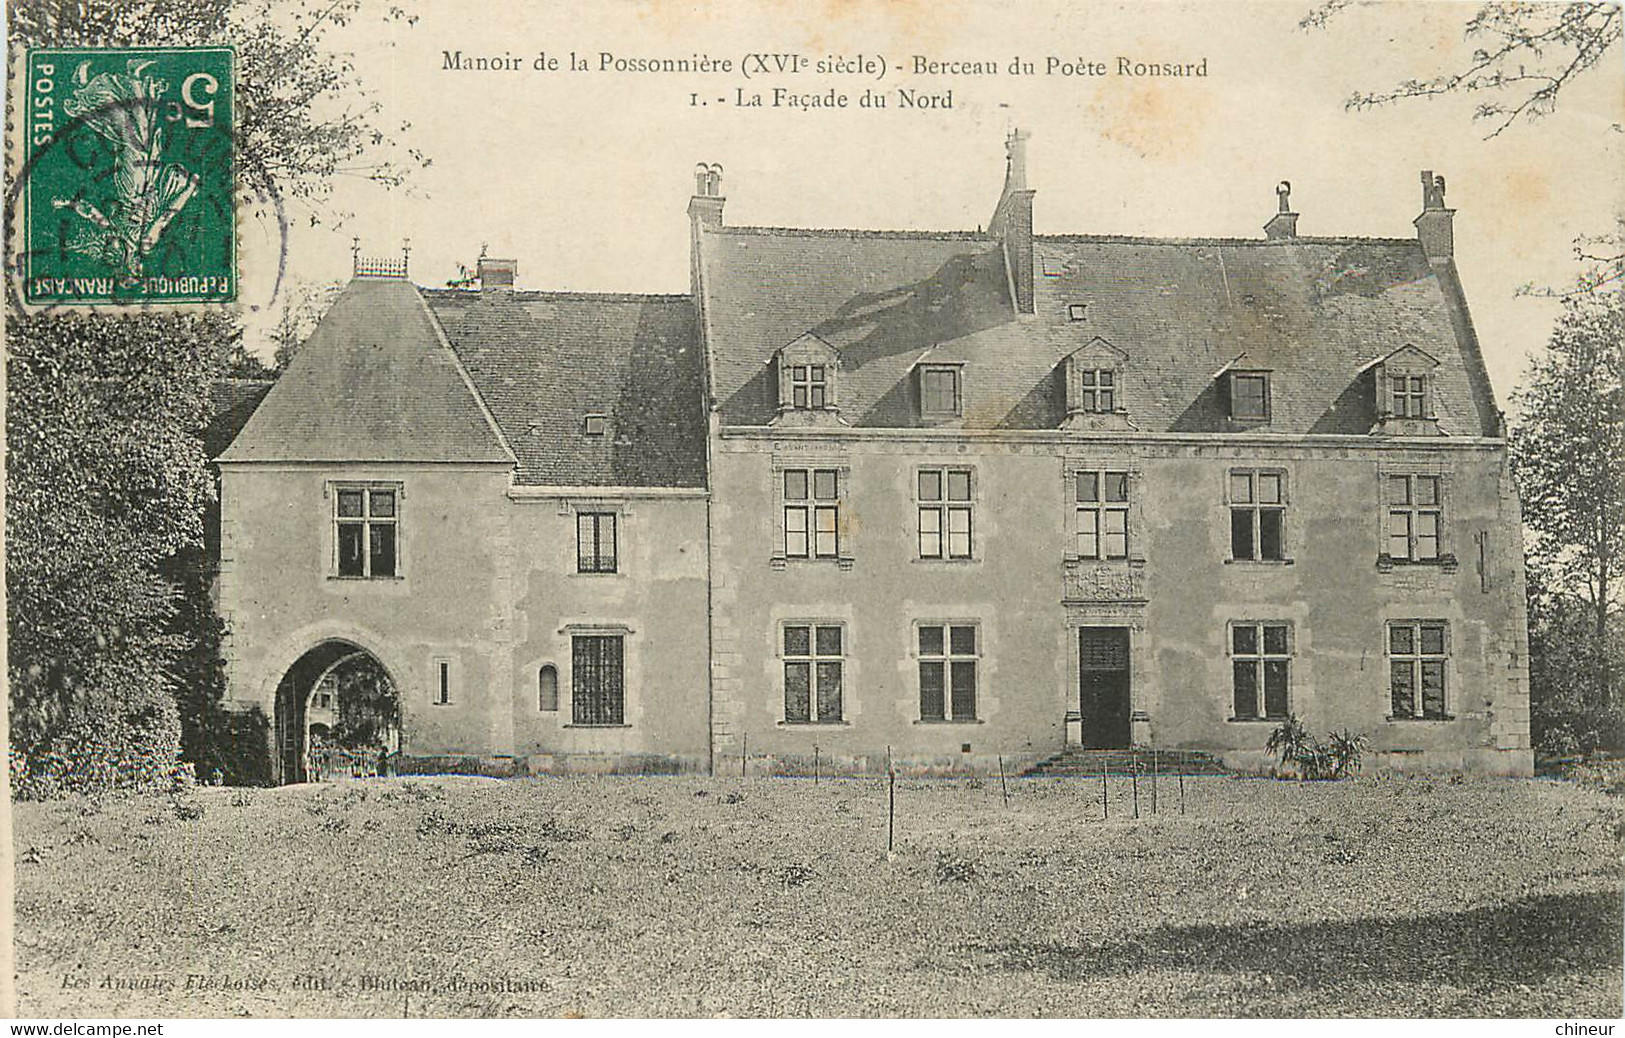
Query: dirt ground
[[766, 897]]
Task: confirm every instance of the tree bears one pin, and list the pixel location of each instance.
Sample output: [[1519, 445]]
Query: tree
[[1528, 53], [1568, 454], [302, 307], [107, 482], [104, 482]]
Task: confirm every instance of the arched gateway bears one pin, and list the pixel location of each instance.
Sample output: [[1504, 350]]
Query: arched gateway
[[347, 696]]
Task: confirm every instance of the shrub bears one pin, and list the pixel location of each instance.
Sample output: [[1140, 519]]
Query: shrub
[[1296, 748]]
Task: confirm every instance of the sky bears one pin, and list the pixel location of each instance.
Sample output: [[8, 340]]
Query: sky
[[584, 177]]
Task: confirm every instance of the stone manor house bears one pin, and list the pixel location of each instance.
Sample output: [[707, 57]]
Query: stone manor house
[[944, 496]]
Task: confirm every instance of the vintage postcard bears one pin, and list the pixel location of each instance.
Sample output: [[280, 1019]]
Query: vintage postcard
[[852, 510]]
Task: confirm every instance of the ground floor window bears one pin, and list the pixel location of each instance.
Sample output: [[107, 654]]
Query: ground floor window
[[948, 659], [1261, 661], [813, 659], [597, 679], [1417, 652]]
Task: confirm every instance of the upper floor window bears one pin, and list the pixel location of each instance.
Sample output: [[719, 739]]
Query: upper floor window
[[1250, 395], [813, 658], [366, 529], [1257, 514], [808, 385], [596, 542], [945, 513], [940, 391], [1097, 390], [1409, 396], [1414, 511], [812, 513], [1417, 653], [1102, 515], [948, 660], [1261, 662]]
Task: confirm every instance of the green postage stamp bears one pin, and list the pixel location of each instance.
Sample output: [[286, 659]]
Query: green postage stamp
[[128, 186]]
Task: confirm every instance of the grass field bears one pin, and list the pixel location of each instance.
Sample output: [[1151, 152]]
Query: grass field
[[677, 896]]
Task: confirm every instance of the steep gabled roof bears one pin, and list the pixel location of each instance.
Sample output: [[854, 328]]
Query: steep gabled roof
[[374, 383], [543, 361], [1314, 311]]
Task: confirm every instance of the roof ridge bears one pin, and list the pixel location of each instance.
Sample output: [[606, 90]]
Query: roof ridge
[[852, 232], [1137, 239], [561, 294]]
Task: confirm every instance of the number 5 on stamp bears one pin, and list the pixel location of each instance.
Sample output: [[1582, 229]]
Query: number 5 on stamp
[[129, 193]]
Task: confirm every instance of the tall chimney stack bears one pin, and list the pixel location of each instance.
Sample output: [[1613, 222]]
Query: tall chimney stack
[[1012, 221], [497, 275], [1435, 227], [1284, 224], [705, 208]]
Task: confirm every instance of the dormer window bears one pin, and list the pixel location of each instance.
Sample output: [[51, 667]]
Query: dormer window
[[1403, 389], [940, 391], [1094, 387], [808, 369], [1250, 396]]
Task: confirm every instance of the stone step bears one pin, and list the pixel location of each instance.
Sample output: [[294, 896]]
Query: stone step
[[1079, 763]]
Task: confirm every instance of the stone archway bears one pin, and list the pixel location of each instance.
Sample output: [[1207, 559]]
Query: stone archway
[[291, 747]]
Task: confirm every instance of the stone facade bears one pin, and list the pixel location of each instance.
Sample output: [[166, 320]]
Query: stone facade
[[942, 502]]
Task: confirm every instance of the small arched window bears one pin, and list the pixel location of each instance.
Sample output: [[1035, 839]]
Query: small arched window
[[547, 689]]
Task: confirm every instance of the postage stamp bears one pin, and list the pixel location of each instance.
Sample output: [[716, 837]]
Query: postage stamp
[[127, 189]]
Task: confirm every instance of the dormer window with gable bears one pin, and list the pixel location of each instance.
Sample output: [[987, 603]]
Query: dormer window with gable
[[1402, 384], [808, 370], [1094, 387]]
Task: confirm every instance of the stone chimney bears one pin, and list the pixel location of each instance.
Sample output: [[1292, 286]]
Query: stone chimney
[[1284, 224], [705, 208], [497, 275], [1435, 227], [1012, 221]]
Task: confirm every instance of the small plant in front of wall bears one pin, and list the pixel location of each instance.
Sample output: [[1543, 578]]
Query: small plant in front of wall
[[1301, 753]]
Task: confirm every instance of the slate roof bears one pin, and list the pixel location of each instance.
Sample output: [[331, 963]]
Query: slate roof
[[374, 382], [1313, 310], [542, 361]]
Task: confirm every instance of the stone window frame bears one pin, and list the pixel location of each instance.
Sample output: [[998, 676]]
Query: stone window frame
[[442, 681], [1261, 657], [1446, 559], [1135, 521], [1284, 506], [843, 541], [333, 489], [811, 660], [594, 630], [946, 658], [542, 700], [1416, 660], [944, 505], [572, 508], [596, 565]]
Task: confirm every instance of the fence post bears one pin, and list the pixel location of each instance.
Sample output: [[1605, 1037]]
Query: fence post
[[1181, 790], [1003, 786], [1134, 780], [744, 752], [1105, 806], [891, 801], [1155, 762], [815, 764]]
